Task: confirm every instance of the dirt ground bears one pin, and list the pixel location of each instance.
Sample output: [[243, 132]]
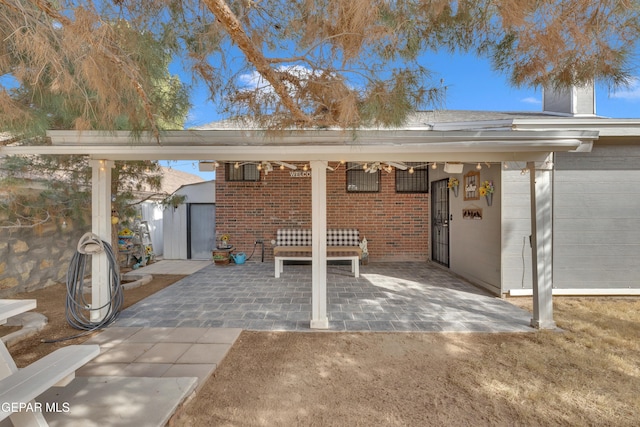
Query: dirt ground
[[51, 303], [587, 374]]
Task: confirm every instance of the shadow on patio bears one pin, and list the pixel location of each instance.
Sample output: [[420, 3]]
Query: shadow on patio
[[386, 297]]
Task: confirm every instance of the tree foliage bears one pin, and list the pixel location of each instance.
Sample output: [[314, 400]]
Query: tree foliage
[[314, 62], [79, 70]]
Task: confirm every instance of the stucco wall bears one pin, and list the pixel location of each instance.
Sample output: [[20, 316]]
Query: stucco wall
[[475, 244], [396, 225]]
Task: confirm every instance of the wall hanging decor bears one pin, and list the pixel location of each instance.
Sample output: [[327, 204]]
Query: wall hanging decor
[[454, 186], [472, 213], [471, 186], [487, 189]]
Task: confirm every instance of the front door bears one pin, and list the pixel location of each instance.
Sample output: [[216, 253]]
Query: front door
[[440, 222]]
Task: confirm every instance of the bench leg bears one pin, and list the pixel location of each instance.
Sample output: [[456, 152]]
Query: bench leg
[[355, 267], [31, 419], [277, 267]]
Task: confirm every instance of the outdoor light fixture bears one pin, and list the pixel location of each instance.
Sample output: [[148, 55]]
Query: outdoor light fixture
[[453, 167]]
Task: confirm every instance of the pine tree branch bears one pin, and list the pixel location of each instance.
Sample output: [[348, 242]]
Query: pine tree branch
[[123, 64], [233, 27]]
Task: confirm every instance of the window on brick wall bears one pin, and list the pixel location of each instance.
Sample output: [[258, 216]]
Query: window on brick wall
[[416, 182], [360, 181], [244, 172]]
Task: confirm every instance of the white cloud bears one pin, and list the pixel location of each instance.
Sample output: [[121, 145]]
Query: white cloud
[[531, 100], [254, 79], [631, 93]]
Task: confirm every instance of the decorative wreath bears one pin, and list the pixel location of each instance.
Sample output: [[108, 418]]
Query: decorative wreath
[[225, 238]]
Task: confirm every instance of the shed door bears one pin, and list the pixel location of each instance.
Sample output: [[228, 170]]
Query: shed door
[[440, 222], [201, 230]]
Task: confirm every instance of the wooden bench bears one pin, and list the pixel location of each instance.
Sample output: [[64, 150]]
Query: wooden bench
[[295, 245], [19, 387]]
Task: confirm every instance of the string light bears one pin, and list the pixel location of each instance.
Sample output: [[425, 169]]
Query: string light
[[305, 168], [479, 166], [411, 169], [236, 165], [434, 165]]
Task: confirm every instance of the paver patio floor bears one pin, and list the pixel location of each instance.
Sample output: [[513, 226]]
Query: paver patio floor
[[407, 296]]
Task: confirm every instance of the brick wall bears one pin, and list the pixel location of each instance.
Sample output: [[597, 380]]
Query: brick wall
[[396, 225]]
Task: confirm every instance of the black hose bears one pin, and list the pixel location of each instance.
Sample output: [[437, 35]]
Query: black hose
[[254, 249], [78, 310]]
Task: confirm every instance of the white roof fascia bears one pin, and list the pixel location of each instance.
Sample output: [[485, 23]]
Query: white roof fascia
[[604, 126], [492, 125], [396, 145], [304, 138]]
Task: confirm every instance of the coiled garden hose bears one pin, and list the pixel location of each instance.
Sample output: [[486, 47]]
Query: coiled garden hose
[[78, 308]]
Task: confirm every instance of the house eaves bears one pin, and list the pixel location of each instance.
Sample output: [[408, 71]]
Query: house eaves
[[331, 145], [605, 127]]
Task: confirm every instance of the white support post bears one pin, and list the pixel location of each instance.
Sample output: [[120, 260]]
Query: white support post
[[100, 226], [319, 319], [542, 244]]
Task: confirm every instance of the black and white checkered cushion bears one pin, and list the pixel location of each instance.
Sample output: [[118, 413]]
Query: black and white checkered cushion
[[293, 237], [302, 237], [343, 237]]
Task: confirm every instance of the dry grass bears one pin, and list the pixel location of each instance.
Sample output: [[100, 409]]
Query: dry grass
[[586, 374]]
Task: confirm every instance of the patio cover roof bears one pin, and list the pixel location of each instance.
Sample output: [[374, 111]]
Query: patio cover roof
[[476, 143], [329, 145]]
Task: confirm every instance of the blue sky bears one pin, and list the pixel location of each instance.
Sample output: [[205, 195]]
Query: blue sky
[[472, 85]]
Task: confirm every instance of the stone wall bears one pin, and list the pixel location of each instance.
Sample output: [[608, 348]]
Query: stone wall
[[33, 258]]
